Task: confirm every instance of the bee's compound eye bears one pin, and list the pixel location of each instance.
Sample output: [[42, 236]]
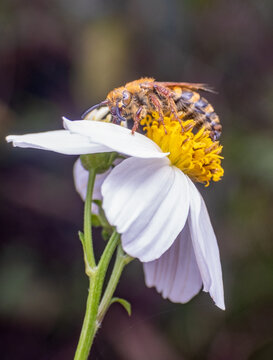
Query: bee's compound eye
[[126, 97]]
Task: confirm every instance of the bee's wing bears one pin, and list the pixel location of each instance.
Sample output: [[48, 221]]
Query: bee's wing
[[191, 86]]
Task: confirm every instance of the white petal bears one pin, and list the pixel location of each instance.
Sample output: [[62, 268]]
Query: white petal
[[61, 141], [116, 137], [175, 274], [81, 180], [205, 247], [80, 175], [148, 202]]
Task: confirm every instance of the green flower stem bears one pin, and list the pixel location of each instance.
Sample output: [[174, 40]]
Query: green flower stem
[[94, 312], [107, 255], [87, 227], [90, 327], [122, 260]]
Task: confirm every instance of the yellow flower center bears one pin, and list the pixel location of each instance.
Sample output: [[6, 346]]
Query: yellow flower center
[[195, 154]]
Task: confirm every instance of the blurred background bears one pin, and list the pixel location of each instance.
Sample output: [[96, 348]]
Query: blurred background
[[60, 57]]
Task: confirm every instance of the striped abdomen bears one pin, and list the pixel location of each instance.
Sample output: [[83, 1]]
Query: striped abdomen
[[199, 109]]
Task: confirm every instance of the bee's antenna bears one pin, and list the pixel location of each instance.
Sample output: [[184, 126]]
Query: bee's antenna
[[104, 102]]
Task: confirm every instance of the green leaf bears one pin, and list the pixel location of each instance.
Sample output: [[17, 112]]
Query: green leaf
[[98, 202], [103, 219], [81, 236], [106, 234], [95, 220], [124, 303], [100, 220]]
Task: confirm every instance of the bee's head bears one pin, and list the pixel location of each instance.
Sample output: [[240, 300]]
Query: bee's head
[[118, 99]]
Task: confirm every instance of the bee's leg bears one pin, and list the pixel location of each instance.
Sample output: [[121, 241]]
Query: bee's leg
[[158, 106], [115, 120], [137, 118], [173, 108], [168, 95]]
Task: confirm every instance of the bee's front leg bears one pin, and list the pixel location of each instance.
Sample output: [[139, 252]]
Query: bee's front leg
[[115, 120], [137, 119]]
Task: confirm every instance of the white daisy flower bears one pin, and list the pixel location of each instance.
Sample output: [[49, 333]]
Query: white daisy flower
[[150, 199]]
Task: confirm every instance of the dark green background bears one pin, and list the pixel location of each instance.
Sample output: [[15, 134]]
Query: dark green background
[[60, 57]]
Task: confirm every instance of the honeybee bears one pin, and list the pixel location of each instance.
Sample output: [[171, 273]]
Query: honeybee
[[181, 100]]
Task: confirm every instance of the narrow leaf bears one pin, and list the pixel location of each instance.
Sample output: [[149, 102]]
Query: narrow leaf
[[81, 236], [124, 303]]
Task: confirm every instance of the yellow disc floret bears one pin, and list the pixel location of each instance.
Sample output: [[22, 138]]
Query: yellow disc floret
[[193, 153]]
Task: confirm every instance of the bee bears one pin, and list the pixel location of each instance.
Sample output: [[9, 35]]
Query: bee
[[138, 98]]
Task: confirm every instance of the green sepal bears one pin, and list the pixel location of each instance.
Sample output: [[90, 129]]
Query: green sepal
[[100, 162], [124, 303]]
